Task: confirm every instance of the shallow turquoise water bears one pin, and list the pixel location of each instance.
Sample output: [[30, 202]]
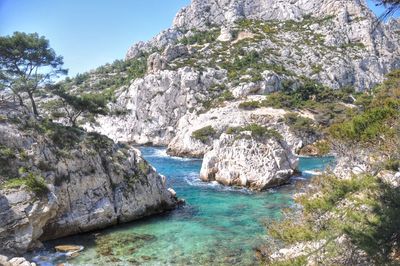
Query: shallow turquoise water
[[218, 225]]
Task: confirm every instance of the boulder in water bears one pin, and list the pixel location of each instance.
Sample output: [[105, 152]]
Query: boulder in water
[[68, 248]]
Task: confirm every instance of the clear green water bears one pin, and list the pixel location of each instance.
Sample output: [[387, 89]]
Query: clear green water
[[218, 225]]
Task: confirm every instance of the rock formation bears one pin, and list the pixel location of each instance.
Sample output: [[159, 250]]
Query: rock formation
[[249, 162], [68, 182], [334, 42], [221, 51], [156, 103]]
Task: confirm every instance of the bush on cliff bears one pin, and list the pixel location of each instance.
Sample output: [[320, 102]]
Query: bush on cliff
[[204, 134], [357, 220], [300, 124], [256, 130], [363, 208], [33, 182]]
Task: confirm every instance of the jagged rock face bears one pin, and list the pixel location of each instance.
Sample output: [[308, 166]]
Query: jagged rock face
[[22, 219], [350, 22], [157, 62], [166, 37], [222, 118], [245, 161], [334, 42], [91, 185], [155, 104], [203, 13]]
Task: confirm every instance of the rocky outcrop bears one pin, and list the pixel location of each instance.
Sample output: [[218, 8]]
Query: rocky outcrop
[[249, 162], [201, 14], [155, 104], [159, 42], [228, 115], [5, 261], [238, 159], [69, 182], [340, 41], [157, 62], [336, 43], [23, 217]]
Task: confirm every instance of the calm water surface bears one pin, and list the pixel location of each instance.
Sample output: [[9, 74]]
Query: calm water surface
[[218, 225]]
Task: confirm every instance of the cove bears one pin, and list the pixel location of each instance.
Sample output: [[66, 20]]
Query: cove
[[217, 226]]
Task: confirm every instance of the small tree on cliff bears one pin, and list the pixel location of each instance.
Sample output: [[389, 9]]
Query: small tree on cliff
[[27, 63], [72, 107]]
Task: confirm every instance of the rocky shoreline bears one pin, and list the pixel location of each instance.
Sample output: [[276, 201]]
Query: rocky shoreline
[[69, 182]]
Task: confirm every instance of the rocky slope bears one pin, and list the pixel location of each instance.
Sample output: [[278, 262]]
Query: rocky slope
[[222, 51], [57, 181], [250, 47], [301, 32]]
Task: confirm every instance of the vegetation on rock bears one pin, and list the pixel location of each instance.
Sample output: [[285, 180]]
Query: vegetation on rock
[[106, 80], [73, 107], [256, 130], [33, 182], [355, 220], [204, 134]]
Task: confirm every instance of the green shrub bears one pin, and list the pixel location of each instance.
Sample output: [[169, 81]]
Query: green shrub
[[3, 119], [34, 182], [226, 96], [256, 131], [105, 80], [366, 127], [371, 221], [363, 207], [300, 125], [392, 165], [6, 152], [37, 184], [316, 69], [309, 95], [219, 94], [324, 148], [99, 142], [204, 134], [250, 105], [80, 78], [62, 136], [201, 37]]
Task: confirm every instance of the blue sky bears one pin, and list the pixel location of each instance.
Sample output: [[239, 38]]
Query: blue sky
[[90, 33]]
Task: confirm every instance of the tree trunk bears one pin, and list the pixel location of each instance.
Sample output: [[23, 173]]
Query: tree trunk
[[21, 102], [16, 94], [34, 109]]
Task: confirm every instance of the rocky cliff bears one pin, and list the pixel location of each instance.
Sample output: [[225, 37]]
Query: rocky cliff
[[219, 52], [308, 32], [250, 47], [57, 181]]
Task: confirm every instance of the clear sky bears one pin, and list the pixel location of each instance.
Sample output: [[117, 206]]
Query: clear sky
[[90, 33]]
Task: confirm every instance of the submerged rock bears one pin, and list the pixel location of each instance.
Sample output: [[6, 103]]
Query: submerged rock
[[68, 248]]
